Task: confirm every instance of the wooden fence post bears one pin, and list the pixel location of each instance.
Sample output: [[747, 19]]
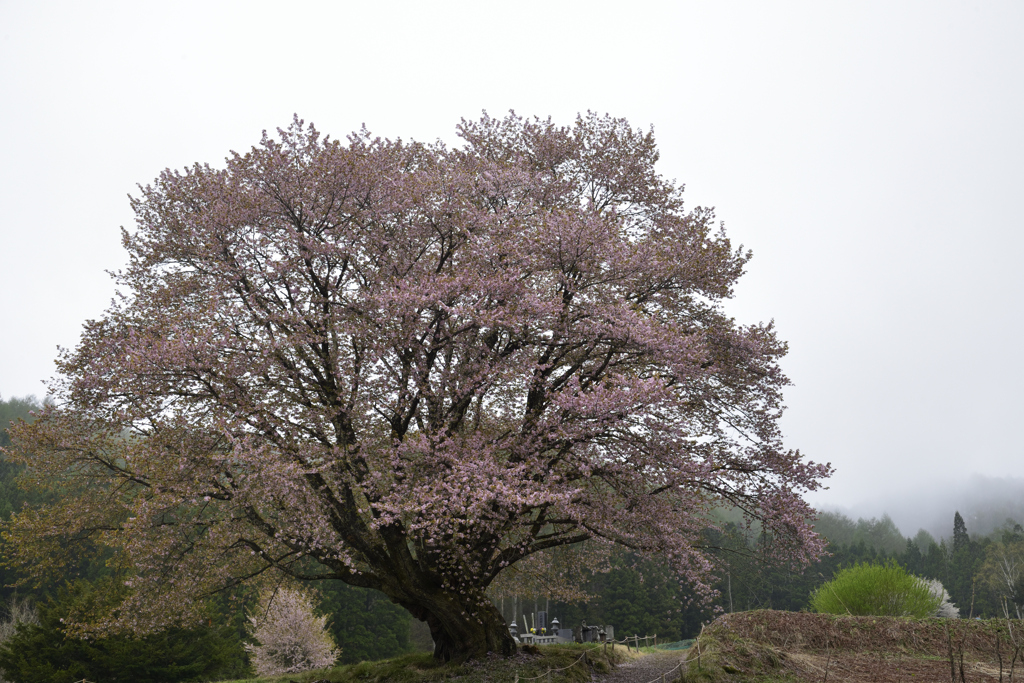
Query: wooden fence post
[[549, 674]]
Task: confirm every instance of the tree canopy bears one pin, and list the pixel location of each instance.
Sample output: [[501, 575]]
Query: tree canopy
[[410, 367], [12, 409]]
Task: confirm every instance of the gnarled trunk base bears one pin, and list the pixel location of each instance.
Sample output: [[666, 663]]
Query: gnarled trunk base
[[462, 631]]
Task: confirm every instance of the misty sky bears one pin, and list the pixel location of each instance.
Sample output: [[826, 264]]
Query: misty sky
[[871, 154]]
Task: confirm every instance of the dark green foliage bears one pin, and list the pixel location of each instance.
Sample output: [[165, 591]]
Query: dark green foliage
[[881, 534], [641, 598], [658, 606], [960, 538], [756, 584], [44, 654], [1011, 532], [365, 624], [11, 497], [836, 527], [924, 540], [636, 597], [965, 560], [912, 558], [40, 654]]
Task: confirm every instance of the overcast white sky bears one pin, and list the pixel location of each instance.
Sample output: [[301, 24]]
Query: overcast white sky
[[870, 153]]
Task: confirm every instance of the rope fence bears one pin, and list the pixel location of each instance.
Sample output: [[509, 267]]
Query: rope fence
[[662, 678], [636, 641], [583, 658]]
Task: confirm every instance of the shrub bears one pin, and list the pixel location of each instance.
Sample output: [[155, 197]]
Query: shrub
[[19, 611], [290, 637], [39, 650], [878, 590], [946, 609]]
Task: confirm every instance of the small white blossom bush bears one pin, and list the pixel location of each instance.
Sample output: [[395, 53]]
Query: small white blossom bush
[[289, 636], [946, 609], [18, 612]]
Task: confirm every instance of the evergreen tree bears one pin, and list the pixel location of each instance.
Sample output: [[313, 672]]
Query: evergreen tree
[[364, 623], [881, 534], [924, 540], [912, 558], [960, 537], [961, 574], [836, 527], [636, 597], [44, 653], [11, 497]]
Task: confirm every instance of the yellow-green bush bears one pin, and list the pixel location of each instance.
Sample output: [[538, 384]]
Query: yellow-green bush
[[870, 589]]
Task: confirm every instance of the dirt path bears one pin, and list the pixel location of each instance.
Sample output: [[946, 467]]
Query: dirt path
[[644, 669]]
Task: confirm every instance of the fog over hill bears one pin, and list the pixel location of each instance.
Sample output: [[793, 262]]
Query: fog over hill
[[984, 502]]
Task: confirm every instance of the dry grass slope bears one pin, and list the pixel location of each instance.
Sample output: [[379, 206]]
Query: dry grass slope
[[769, 646]]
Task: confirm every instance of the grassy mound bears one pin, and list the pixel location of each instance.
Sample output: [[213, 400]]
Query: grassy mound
[[421, 668], [766, 645], [722, 655]]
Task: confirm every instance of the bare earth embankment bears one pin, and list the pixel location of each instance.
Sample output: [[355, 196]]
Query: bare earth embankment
[[795, 646]]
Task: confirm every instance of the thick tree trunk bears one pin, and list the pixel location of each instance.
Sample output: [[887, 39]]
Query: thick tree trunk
[[462, 630]]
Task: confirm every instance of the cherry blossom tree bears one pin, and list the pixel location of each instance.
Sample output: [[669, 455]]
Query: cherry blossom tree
[[290, 637], [411, 367], [946, 609]]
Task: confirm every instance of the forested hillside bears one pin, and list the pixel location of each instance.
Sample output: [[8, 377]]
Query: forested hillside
[[639, 597], [636, 596]]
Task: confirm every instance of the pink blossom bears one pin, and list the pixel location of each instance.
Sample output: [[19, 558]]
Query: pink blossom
[[421, 370]]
